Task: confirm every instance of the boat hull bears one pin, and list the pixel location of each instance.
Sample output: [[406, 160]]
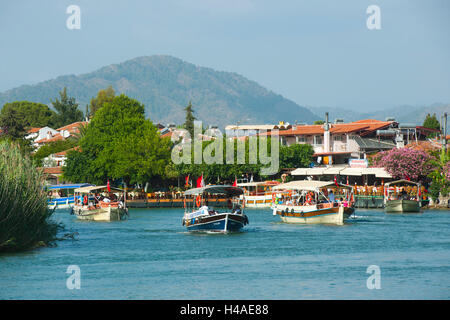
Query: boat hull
[[101, 214], [400, 206], [313, 215], [224, 222]]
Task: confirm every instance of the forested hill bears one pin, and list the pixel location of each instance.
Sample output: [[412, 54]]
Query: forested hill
[[165, 85]]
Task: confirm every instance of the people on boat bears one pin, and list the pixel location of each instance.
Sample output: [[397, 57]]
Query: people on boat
[[331, 196]]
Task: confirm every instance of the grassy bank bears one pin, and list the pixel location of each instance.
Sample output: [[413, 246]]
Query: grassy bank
[[24, 217]]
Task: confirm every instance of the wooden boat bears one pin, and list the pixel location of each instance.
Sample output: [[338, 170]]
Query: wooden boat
[[201, 216], [100, 204], [62, 196], [311, 203], [257, 194], [401, 202]]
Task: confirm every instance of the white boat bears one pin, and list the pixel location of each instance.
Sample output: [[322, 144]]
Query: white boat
[[257, 194], [401, 202], [205, 218], [62, 196], [310, 202], [100, 204]]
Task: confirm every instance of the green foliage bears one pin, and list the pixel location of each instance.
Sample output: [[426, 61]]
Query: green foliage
[[29, 114], [296, 155], [51, 148], [67, 110], [119, 143], [431, 122], [189, 123], [24, 217], [103, 96], [319, 122], [250, 164]]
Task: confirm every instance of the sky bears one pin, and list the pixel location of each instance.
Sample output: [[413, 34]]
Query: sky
[[316, 53]]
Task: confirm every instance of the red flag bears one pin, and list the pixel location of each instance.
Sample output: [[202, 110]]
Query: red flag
[[108, 186], [335, 180], [200, 182], [187, 181], [235, 182]]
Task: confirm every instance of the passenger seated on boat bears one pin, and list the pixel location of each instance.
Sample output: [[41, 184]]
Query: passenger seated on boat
[[105, 199]]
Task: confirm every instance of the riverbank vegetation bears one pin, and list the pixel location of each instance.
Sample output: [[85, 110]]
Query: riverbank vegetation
[[24, 216]]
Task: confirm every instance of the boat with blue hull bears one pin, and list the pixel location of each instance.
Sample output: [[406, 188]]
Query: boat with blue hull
[[205, 218], [62, 196]]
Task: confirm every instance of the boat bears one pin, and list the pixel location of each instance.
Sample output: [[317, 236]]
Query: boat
[[100, 203], [397, 200], [257, 194], [310, 202], [62, 196], [199, 215]]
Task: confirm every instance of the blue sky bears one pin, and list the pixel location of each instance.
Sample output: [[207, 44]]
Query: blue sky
[[316, 53]]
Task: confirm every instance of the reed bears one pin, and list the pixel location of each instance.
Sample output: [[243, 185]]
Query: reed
[[24, 216]]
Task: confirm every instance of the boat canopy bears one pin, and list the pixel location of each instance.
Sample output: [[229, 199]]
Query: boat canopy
[[308, 185], [216, 189], [95, 188], [401, 181], [68, 186]]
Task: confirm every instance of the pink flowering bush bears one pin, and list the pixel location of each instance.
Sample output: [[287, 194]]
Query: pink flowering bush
[[405, 163]]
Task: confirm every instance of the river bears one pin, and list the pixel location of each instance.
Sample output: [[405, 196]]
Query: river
[[151, 256]]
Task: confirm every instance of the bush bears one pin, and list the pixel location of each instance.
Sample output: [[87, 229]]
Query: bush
[[24, 216]]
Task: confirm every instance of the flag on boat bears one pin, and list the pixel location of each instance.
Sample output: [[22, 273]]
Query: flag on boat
[[335, 180], [187, 181], [235, 182], [200, 182], [108, 187]]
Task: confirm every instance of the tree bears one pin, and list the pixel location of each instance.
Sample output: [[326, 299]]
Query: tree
[[319, 122], [296, 155], [103, 96], [432, 123], [119, 143], [51, 148], [67, 110], [189, 123], [30, 114]]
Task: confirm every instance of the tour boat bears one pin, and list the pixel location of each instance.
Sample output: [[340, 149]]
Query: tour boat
[[310, 202], [401, 202], [61, 196], [204, 217], [257, 194], [101, 203]]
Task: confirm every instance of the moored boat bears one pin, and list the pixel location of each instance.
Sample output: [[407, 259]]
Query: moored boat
[[205, 217], [62, 196], [100, 203], [313, 203], [257, 194], [397, 200]]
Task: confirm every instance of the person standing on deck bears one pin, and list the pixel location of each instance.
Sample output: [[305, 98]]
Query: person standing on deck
[[331, 196]]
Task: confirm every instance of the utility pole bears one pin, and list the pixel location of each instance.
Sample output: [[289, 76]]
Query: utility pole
[[445, 133]]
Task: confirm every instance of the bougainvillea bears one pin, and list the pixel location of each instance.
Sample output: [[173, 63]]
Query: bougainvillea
[[405, 163]]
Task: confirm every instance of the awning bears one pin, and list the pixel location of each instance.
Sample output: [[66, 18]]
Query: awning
[[309, 185], [351, 172], [299, 172]]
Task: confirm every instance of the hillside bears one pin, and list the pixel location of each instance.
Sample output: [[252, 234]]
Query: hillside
[[165, 85]]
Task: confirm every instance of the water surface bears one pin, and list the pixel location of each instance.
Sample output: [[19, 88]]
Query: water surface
[[151, 256]]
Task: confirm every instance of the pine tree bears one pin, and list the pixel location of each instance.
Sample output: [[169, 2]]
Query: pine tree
[[189, 123]]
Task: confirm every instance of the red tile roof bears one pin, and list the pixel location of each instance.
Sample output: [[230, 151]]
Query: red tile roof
[[73, 127], [63, 153], [56, 137], [33, 130], [166, 135]]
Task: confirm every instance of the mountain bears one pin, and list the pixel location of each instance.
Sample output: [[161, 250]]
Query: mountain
[[165, 85], [402, 114]]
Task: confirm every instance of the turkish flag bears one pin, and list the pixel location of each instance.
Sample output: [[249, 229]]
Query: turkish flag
[[335, 180], [108, 187], [235, 182], [187, 181], [200, 182]]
